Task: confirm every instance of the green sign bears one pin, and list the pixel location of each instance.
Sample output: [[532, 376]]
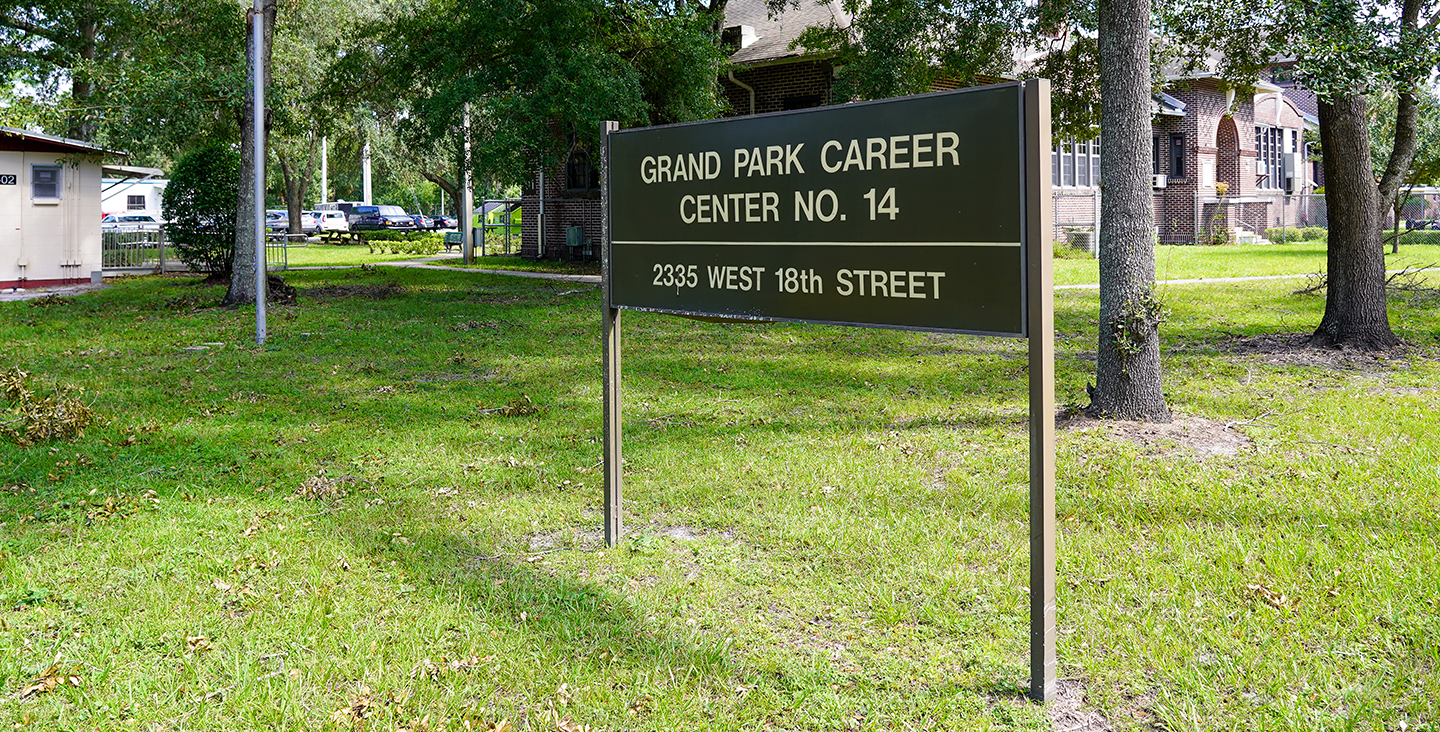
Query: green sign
[[904, 213]]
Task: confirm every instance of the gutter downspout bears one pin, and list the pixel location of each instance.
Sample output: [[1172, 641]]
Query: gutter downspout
[[746, 87]]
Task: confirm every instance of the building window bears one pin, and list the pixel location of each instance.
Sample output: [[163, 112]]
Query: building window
[[1269, 163], [1177, 154], [580, 175], [1075, 164], [134, 203], [45, 182]]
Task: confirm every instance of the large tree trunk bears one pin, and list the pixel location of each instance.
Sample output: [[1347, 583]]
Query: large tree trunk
[[243, 266], [1127, 364], [1355, 313]]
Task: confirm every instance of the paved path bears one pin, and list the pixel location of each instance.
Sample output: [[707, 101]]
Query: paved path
[[65, 291], [429, 263], [1253, 278]]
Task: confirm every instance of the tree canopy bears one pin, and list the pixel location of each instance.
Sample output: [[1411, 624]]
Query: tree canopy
[[539, 77]]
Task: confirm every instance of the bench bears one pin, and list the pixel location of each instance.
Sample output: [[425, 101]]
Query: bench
[[454, 239]]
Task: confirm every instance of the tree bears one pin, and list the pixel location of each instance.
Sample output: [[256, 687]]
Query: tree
[[1425, 166], [1089, 51], [199, 206], [147, 76], [539, 77], [1345, 51], [246, 265], [1127, 364]]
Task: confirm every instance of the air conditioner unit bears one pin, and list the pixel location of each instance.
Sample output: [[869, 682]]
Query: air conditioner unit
[[1158, 181]]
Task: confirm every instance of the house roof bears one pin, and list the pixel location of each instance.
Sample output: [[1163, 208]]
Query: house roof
[[130, 171], [774, 35], [17, 139]]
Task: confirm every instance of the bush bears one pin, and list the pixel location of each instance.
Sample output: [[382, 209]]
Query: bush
[[1279, 234], [422, 243], [199, 204], [1282, 234], [1420, 237]]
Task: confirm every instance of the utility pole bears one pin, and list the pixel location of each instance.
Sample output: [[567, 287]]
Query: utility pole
[[257, 33], [365, 171], [467, 200], [324, 169]]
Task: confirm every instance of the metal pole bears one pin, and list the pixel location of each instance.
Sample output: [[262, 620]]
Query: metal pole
[[1040, 332], [324, 169], [610, 351], [467, 200], [365, 171], [257, 30]]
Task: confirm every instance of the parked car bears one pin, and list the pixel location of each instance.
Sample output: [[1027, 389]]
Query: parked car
[[332, 221], [370, 218], [443, 221], [128, 222], [423, 222], [279, 222]]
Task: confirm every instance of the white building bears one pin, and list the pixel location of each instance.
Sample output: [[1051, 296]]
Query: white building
[[49, 209], [132, 195]]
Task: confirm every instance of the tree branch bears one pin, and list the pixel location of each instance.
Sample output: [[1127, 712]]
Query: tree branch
[[21, 24]]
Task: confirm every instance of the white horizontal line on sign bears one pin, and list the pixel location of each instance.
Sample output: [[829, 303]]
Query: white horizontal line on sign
[[834, 243]]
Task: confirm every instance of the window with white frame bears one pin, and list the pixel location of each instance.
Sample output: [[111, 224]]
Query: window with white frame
[[45, 182], [1075, 164], [1269, 157], [135, 203]]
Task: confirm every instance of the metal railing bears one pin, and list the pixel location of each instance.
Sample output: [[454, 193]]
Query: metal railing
[[134, 251], [137, 249]]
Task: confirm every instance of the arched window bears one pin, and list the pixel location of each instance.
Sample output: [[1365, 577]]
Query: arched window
[[580, 174]]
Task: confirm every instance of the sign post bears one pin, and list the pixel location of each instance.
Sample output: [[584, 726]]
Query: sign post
[[921, 213]]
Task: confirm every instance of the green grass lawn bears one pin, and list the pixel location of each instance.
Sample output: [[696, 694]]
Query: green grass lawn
[[516, 263], [827, 525], [1245, 260], [332, 255]]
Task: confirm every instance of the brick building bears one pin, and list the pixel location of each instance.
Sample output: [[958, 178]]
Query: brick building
[[768, 76], [1204, 133]]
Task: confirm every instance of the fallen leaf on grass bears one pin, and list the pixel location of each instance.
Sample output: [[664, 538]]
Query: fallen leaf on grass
[[1274, 599], [197, 643], [518, 408], [52, 679]]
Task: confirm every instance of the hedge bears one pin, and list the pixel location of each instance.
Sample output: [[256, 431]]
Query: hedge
[[1289, 233]]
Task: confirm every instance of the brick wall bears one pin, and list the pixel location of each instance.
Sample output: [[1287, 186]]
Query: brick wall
[[779, 87], [563, 209]]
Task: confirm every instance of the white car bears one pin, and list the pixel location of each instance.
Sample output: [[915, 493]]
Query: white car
[[128, 222], [332, 221]]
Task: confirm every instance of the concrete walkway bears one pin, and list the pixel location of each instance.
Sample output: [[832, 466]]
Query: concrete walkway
[[39, 292], [429, 263], [1253, 278]]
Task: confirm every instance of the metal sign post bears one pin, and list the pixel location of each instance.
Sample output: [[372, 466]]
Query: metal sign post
[[922, 213], [257, 30]]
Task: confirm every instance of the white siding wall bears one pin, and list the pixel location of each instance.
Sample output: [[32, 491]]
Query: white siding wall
[[49, 241]]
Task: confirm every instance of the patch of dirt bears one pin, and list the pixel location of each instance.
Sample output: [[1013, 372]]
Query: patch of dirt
[[1294, 349], [374, 292], [583, 540], [1066, 714], [1206, 438]]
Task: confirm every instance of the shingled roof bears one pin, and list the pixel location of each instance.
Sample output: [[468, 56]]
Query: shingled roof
[[774, 35]]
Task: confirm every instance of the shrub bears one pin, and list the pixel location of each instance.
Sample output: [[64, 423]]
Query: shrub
[[1431, 238], [1315, 233], [1279, 234], [199, 204], [422, 243]]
